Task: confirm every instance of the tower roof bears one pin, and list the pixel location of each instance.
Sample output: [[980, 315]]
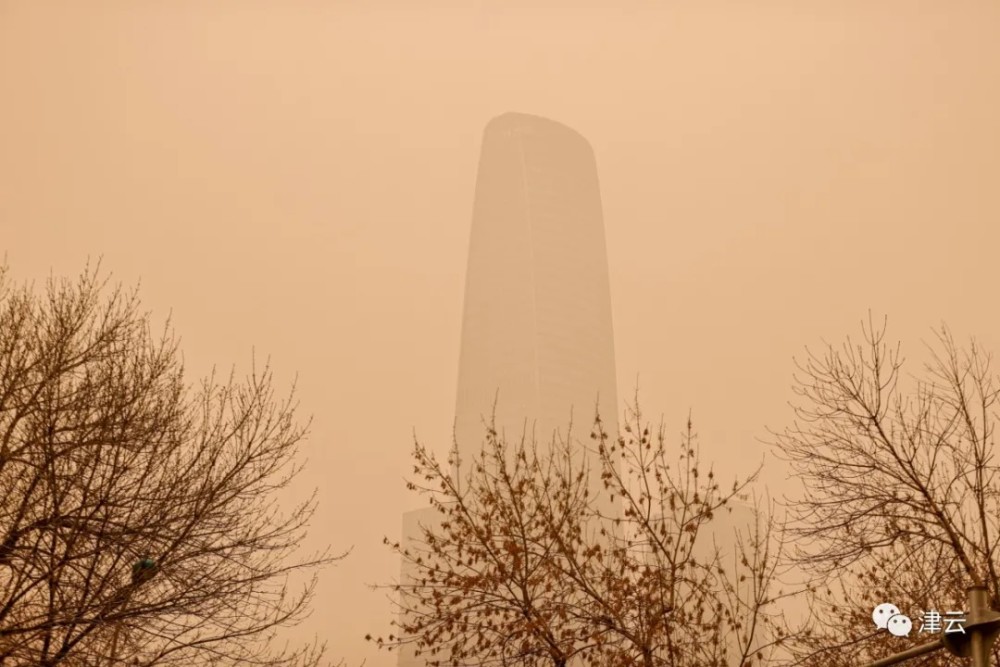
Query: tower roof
[[525, 122]]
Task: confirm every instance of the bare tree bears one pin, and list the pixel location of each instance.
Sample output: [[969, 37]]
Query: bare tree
[[665, 589], [900, 488], [844, 633], [525, 568], [138, 518], [485, 587]]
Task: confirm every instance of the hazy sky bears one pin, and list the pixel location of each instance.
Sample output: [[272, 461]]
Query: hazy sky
[[298, 177]]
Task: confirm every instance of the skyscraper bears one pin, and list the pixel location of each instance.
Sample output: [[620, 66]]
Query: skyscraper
[[536, 332]]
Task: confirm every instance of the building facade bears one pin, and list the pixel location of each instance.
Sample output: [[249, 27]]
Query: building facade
[[537, 342], [413, 524], [537, 339]]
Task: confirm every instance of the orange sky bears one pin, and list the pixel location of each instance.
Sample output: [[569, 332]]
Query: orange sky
[[298, 177]]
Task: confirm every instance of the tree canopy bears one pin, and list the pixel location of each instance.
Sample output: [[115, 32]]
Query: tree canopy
[[139, 520]]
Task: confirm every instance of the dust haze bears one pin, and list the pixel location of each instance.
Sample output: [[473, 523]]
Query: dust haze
[[297, 179]]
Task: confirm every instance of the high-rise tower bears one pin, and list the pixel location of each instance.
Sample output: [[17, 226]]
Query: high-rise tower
[[536, 332]]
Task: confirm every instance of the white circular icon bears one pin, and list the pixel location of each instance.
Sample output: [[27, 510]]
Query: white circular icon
[[883, 613], [900, 625]]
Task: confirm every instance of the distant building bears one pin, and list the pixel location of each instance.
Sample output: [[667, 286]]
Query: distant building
[[722, 533], [536, 332], [413, 522]]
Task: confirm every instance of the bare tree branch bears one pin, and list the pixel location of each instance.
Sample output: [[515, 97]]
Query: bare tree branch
[[139, 520]]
